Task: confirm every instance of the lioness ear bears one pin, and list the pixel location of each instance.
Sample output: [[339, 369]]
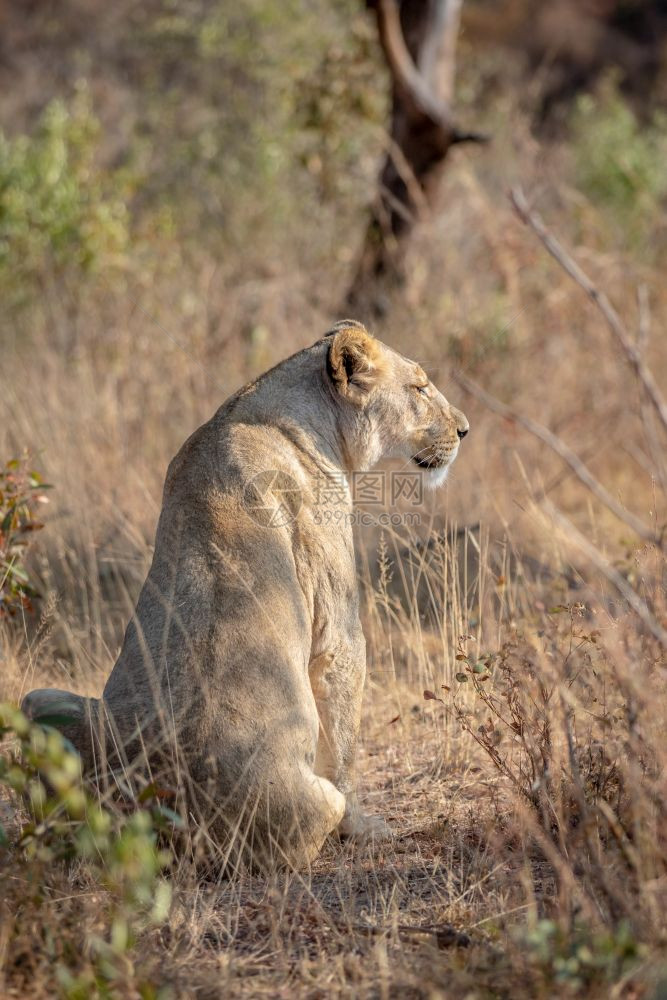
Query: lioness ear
[[353, 360]]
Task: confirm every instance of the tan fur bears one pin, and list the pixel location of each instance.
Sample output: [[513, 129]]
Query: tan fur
[[241, 675]]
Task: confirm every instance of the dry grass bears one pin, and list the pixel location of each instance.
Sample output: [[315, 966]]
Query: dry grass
[[538, 794], [472, 854]]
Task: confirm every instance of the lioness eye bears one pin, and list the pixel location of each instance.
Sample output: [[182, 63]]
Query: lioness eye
[[423, 389]]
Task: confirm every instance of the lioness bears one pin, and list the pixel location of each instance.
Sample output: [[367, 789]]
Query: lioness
[[241, 674]]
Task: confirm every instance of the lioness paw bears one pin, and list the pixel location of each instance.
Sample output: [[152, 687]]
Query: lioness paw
[[359, 826]]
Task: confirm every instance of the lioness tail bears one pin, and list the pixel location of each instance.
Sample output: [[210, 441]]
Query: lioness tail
[[73, 715]]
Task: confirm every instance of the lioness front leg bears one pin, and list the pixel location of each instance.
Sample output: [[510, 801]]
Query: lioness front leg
[[338, 682]]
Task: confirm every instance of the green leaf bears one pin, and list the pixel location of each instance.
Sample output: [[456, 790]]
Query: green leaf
[[162, 902], [462, 678]]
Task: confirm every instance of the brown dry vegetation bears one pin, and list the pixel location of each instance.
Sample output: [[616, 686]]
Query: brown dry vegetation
[[528, 800]]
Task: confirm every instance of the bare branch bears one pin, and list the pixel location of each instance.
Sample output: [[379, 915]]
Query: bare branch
[[644, 313], [608, 571], [419, 100], [406, 173], [581, 471], [416, 39], [569, 265], [437, 63], [643, 335], [414, 90]]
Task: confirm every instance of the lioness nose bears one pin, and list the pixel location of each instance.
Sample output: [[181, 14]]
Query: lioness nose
[[462, 425]]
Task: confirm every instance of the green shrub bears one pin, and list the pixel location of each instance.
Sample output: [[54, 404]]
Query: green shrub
[[21, 490], [580, 957], [59, 209], [69, 824], [339, 108], [620, 160]]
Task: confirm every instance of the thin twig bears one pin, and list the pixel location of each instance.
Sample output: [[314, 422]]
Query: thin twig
[[643, 336], [558, 446], [608, 571], [614, 322], [644, 318], [406, 173]]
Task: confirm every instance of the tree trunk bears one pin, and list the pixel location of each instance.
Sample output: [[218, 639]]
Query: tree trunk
[[418, 39]]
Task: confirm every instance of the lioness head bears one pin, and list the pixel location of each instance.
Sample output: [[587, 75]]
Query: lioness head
[[388, 406]]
